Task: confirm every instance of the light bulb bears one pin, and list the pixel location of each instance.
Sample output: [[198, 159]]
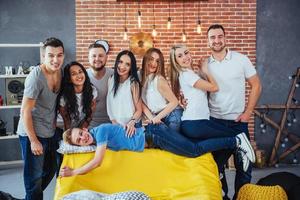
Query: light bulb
[[169, 23], [289, 123], [283, 145], [276, 165], [286, 139], [183, 36], [199, 30], [154, 32], [297, 85], [125, 36], [262, 125], [295, 160], [295, 120], [139, 19], [263, 130]]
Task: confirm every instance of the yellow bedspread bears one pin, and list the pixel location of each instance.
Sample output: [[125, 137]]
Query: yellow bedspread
[[159, 174]]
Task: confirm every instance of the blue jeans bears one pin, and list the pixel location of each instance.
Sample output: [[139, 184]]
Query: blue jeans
[[173, 119], [38, 170], [205, 129], [221, 157], [162, 137]]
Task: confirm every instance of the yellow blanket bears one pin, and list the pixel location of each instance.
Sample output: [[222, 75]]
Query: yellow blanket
[[159, 174]]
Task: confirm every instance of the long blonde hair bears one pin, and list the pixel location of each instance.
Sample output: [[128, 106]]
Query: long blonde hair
[[175, 69], [160, 67]]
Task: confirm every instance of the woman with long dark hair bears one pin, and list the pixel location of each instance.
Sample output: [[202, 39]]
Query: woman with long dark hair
[[77, 97], [124, 105]]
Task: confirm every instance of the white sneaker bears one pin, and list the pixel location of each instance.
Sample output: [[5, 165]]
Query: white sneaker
[[245, 147], [245, 160]]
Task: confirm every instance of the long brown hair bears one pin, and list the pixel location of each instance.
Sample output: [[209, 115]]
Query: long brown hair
[[160, 68]]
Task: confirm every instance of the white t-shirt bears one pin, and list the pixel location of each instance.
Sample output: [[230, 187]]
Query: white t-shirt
[[152, 97], [120, 107], [81, 116], [231, 73], [197, 104]]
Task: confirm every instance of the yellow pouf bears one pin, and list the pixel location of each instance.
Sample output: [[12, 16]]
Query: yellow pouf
[[258, 192]]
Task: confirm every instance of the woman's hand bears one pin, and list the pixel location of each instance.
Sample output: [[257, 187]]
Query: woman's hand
[[156, 120], [130, 129], [66, 171]]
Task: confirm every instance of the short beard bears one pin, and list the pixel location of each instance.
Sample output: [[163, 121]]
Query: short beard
[[98, 69], [219, 50]]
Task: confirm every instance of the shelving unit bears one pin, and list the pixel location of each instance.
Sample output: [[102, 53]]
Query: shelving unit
[[11, 140]]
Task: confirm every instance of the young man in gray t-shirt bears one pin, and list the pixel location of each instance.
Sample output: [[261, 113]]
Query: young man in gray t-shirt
[[99, 75], [36, 127]]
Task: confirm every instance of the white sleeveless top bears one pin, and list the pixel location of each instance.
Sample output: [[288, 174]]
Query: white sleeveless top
[[120, 107], [151, 96]]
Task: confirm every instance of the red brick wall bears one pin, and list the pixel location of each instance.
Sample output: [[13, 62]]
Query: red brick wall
[[104, 19]]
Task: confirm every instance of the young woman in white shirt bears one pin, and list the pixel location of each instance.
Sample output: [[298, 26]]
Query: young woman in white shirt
[[160, 105], [124, 104], [77, 97]]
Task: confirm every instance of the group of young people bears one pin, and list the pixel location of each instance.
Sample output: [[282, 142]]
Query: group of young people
[[105, 106]]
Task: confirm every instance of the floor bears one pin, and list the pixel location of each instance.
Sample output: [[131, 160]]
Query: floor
[[11, 179]]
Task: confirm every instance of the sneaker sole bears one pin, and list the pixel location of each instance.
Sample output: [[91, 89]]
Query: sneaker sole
[[250, 147]]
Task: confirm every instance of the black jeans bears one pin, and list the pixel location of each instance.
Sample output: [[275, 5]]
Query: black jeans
[[221, 158]]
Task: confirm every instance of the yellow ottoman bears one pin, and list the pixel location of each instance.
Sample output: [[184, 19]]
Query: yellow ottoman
[[159, 174], [258, 192]]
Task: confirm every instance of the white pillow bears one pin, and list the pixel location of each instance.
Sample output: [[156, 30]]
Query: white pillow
[[65, 148], [92, 195]]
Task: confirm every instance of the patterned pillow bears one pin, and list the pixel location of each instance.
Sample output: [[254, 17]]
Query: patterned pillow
[[65, 148], [91, 195]]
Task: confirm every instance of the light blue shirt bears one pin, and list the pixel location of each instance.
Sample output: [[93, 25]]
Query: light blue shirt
[[114, 136]]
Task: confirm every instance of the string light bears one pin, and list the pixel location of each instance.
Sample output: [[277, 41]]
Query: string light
[[169, 19], [139, 16], [183, 22], [125, 34], [154, 32], [199, 29]]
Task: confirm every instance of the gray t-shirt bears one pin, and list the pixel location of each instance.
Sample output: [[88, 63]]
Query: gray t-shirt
[[100, 114], [43, 114]]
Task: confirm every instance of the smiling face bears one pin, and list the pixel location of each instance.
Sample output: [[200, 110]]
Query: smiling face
[[81, 137], [124, 66], [183, 57], [77, 75], [97, 58], [53, 58], [153, 63], [216, 40]]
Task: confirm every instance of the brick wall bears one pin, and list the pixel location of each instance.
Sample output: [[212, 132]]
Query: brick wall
[[104, 19]]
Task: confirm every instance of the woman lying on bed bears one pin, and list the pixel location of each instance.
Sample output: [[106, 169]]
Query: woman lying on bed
[[114, 137]]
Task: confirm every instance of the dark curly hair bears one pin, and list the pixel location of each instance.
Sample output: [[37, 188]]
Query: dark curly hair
[[134, 78], [68, 93]]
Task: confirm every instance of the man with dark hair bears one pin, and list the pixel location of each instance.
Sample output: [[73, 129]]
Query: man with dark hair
[[99, 75], [36, 128], [227, 106]]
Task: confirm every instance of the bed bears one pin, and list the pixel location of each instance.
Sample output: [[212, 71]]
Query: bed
[[159, 174]]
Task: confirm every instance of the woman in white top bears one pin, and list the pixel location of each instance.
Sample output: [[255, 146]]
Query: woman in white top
[[77, 97], [124, 105], [159, 101], [195, 119]]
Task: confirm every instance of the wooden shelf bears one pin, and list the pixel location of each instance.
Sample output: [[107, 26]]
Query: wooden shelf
[[9, 107], [8, 137], [14, 76], [22, 45]]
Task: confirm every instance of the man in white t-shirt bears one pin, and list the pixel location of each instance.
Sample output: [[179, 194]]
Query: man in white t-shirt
[[231, 70], [99, 75]]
